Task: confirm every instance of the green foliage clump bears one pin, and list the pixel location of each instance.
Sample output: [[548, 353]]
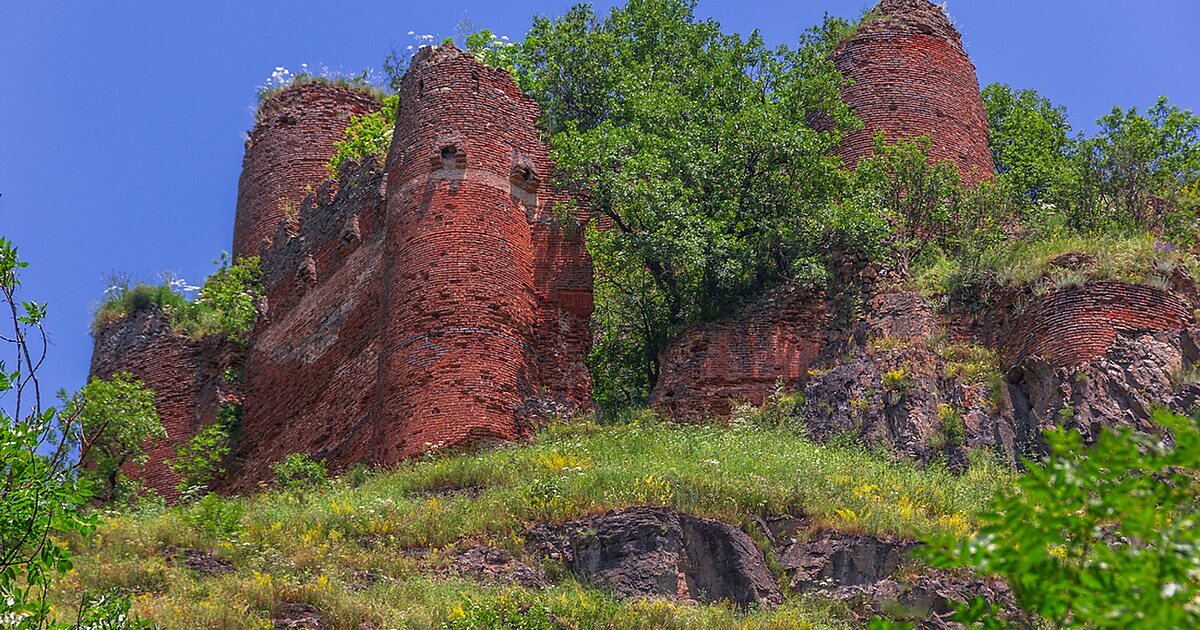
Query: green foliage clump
[[233, 293], [299, 474], [695, 149], [200, 460], [110, 420], [367, 135], [227, 303], [501, 614], [1099, 537], [215, 516]]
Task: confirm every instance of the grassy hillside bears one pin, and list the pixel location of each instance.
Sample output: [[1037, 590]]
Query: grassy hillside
[[368, 546]]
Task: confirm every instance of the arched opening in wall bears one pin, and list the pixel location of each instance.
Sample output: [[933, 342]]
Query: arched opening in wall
[[474, 81], [420, 88], [452, 157]]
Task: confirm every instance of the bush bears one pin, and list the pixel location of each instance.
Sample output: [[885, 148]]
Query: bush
[[227, 303], [110, 420], [40, 491], [506, 613], [369, 134], [299, 474], [215, 516], [1099, 537], [199, 460]]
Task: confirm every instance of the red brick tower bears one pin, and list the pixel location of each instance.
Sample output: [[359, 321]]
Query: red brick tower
[[286, 156], [911, 77], [459, 298]]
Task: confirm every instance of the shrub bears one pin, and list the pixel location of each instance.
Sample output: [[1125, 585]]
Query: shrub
[[227, 303], [40, 492], [218, 517], [369, 134], [1100, 537], [233, 293], [111, 419], [299, 473], [199, 460]]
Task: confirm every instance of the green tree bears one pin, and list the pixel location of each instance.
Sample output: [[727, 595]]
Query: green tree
[[115, 417], [698, 160], [1137, 163], [40, 492], [1032, 144], [1106, 536]]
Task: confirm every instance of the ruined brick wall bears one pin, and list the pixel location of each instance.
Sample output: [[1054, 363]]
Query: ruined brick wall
[[311, 374], [286, 155], [463, 284], [911, 77], [185, 375], [776, 337], [1071, 326]]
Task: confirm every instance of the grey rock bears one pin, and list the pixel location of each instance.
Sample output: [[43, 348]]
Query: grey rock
[[657, 553]]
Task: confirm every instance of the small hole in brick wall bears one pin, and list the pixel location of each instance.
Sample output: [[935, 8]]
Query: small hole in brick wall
[[448, 152], [474, 80], [526, 174], [421, 87]]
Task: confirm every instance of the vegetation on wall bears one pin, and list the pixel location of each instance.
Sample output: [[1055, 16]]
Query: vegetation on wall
[[367, 135], [227, 303]]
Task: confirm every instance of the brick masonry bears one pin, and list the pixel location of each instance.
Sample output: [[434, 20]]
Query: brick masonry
[[1071, 326], [775, 338], [438, 301], [911, 77], [186, 377], [286, 155]]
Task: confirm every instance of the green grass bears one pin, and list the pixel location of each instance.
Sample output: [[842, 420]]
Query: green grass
[[1137, 259], [293, 550], [191, 319]]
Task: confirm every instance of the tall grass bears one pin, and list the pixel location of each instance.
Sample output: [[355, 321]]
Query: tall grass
[[311, 550], [189, 318]]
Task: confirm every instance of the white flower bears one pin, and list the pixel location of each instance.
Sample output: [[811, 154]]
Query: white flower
[[504, 37], [411, 33]]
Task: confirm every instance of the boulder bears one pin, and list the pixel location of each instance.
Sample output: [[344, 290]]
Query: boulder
[[656, 552]]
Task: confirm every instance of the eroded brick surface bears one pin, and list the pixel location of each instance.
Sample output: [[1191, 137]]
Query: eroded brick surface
[[777, 337], [185, 375], [1074, 325], [911, 77], [286, 156]]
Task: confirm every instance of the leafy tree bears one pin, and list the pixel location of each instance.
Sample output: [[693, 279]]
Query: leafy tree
[[39, 490], [1106, 536], [698, 160], [234, 292], [115, 418], [1031, 142], [1140, 166]]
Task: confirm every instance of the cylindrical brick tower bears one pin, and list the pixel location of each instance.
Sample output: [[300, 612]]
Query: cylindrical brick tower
[[458, 285], [911, 77], [286, 156]]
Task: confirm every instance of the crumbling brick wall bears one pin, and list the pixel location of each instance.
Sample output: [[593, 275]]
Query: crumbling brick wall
[[776, 337], [311, 374], [286, 155], [185, 375], [911, 77], [1071, 326]]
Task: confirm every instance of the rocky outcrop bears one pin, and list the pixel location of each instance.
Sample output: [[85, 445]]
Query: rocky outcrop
[[658, 553], [496, 566], [891, 386], [831, 558], [1137, 374]]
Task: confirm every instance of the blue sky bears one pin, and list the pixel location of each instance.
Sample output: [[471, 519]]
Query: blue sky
[[121, 122]]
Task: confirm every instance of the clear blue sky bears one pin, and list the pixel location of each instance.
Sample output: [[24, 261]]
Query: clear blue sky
[[121, 122]]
